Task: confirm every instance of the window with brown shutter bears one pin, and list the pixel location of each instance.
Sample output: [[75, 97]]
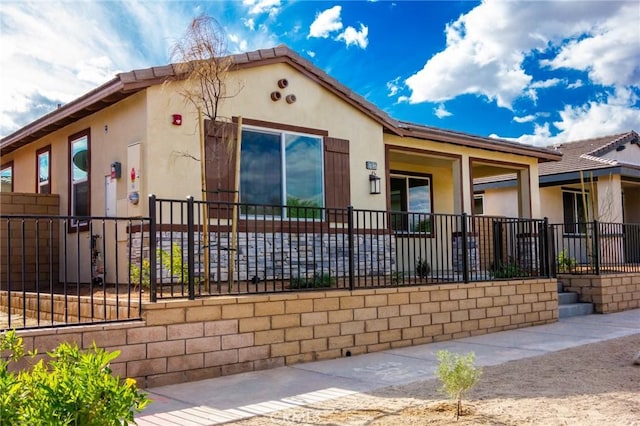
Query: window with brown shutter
[[302, 188], [337, 177], [220, 166]]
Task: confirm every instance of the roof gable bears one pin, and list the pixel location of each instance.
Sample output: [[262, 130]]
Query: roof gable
[[128, 83]]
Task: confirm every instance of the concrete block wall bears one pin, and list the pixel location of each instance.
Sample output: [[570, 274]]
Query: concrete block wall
[[608, 293], [186, 340], [34, 248]]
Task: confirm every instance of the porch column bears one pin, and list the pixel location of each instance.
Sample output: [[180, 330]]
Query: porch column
[[459, 192], [609, 199], [524, 193], [466, 186]]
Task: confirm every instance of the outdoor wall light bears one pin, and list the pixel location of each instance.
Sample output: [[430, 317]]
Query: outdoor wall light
[[374, 184]]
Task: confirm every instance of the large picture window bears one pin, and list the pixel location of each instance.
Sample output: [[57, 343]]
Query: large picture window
[[575, 214], [6, 177], [43, 170], [281, 168], [411, 195], [79, 175]]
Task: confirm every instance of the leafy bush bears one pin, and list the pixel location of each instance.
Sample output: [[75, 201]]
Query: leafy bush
[[565, 262], [317, 281], [506, 270], [74, 388], [423, 269], [171, 262], [457, 374]]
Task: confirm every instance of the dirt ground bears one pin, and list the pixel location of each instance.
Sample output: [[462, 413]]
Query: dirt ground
[[588, 385]]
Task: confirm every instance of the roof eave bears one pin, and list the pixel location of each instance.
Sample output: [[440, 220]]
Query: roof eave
[[438, 135]]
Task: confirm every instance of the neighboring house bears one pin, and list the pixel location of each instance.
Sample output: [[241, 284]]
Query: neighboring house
[[305, 138], [597, 179]]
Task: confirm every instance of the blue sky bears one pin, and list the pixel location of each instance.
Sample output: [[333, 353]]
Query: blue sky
[[538, 72]]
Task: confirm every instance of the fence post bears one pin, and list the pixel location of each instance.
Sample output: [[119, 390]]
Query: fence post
[[190, 246], [465, 259], [545, 258], [596, 247], [153, 250], [350, 236]]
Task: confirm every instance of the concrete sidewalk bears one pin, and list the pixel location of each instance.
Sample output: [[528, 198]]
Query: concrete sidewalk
[[224, 399]]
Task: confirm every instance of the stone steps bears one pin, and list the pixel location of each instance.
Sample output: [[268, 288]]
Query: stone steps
[[569, 304]]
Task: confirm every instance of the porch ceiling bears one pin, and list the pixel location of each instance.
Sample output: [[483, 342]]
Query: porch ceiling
[[418, 160], [486, 170]]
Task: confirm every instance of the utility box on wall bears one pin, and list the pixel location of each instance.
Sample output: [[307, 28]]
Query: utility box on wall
[[134, 179]]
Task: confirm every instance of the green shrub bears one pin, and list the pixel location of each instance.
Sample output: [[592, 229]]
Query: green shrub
[[423, 269], [74, 388], [317, 281], [506, 270], [565, 262], [170, 261], [457, 374]]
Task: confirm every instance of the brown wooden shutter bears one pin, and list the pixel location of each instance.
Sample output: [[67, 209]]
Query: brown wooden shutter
[[337, 176], [220, 166]]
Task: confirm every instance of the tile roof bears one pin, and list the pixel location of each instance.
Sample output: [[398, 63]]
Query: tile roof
[[585, 154]]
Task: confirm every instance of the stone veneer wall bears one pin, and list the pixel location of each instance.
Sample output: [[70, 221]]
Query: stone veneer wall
[[190, 340], [608, 293], [282, 255]]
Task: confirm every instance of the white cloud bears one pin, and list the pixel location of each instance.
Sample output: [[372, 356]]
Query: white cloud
[[311, 53], [441, 111], [524, 119], [486, 48], [614, 114], [257, 7], [249, 23], [575, 85], [610, 53], [393, 86], [353, 36], [326, 22], [54, 52], [544, 84]]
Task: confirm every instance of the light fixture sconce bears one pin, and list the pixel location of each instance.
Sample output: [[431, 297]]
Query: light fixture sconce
[[374, 184], [176, 119], [275, 96]]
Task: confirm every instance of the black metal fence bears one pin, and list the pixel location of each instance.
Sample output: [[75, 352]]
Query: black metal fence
[[596, 247], [270, 248], [64, 270]]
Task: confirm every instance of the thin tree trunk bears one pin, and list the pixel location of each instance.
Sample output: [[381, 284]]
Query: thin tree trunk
[[205, 206], [236, 198]]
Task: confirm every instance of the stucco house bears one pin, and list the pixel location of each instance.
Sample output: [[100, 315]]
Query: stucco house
[[597, 179], [305, 137]]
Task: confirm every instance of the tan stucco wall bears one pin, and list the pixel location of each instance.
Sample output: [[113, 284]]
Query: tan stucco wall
[[609, 196], [501, 202], [125, 123], [632, 205], [177, 176]]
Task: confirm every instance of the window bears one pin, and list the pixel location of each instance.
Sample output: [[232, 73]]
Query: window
[[43, 170], [411, 194], [79, 174], [575, 216], [478, 204], [281, 168], [6, 177]]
